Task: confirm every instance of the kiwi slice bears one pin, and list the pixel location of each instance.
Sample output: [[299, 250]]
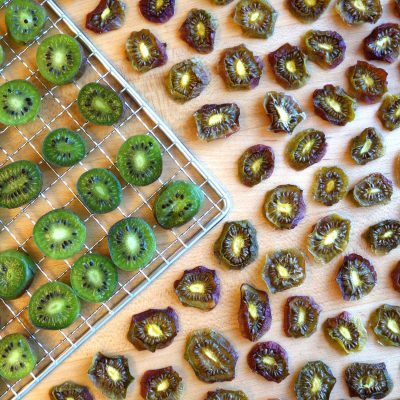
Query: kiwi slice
[[59, 234], [99, 190], [54, 306], [59, 58], [25, 20], [132, 243], [139, 160], [20, 183], [99, 104], [177, 203], [17, 357], [19, 102]]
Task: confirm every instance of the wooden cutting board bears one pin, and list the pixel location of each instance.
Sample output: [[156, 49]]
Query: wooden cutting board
[[221, 158]]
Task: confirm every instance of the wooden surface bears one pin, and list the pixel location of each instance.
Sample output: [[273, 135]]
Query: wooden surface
[[221, 158]]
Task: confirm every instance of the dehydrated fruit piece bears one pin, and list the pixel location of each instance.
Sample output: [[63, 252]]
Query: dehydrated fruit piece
[[159, 11], [368, 381], [199, 287], [289, 64], [153, 329], [256, 164], [111, 375], [308, 10], [187, 79], [284, 269], [395, 275], [237, 246], [334, 105], [314, 382], [307, 148], [284, 206], [222, 2], [367, 146], [356, 277], [330, 185], [284, 112], [211, 356], [217, 121], [348, 331], [368, 83], [241, 68], [145, 51], [199, 29], [270, 360], [222, 394], [383, 43], [301, 316], [159, 384], [70, 391], [385, 322], [257, 18], [255, 313], [373, 190], [384, 236], [389, 112], [329, 238], [355, 12], [107, 16]]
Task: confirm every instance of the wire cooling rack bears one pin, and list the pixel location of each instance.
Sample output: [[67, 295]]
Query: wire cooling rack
[[58, 110]]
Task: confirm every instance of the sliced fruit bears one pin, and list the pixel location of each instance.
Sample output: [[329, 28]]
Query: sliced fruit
[[385, 322], [355, 12], [70, 391], [374, 189], [159, 11], [222, 394], [306, 10], [107, 16], [389, 112], [159, 384], [395, 275], [367, 146], [384, 236], [383, 43]]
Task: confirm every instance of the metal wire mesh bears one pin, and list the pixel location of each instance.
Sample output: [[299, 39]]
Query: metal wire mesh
[[59, 109]]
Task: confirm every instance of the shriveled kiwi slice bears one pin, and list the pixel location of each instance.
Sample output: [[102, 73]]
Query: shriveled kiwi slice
[[70, 391], [389, 112], [222, 394], [237, 245], [367, 146], [160, 384], [355, 12], [383, 43], [395, 275], [159, 11], [374, 189], [257, 18], [329, 238], [385, 322], [308, 10], [107, 16], [384, 236]]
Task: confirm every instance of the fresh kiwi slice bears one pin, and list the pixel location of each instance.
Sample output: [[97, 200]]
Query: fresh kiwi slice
[[25, 20], [94, 278], [16, 273], [17, 357], [54, 306], [59, 59], [20, 183], [99, 104], [139, 160], [19, 102], [99, 190], [59, 234], [132, 243]]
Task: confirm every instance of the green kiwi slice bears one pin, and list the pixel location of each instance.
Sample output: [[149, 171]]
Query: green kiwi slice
[[25, 20], [16, 273], [132, 243], [59, 59], [59, 234], [99, 104], [139, 160], [54, 306], [19, 102], [63, 148], [20, 183], [94, 278], [99, 190], [17, 357]]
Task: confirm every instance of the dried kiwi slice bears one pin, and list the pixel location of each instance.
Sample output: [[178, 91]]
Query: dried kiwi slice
[[255, 315], [241, 68], [395, 275], [70, 391], [301, 316], [237, 245], [384, 236], [355, 12], [284, 206], [145, 51], [383, 43], [159, 11], [256, 165], [211, 356], [326, 48], [389, 112], [199, 30], [217, 121], [289, 64], [329, 238], [368, 381], [367, 146], [107, 16], [308, 10], [257, 18], [375, 189], [222, 2], [161, 384], [330, 185], [222, 394], [284, 112], [356, 277], [334, 105], [385, 322]]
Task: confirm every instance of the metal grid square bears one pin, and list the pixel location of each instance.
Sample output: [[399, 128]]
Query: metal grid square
[[24, 142]]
